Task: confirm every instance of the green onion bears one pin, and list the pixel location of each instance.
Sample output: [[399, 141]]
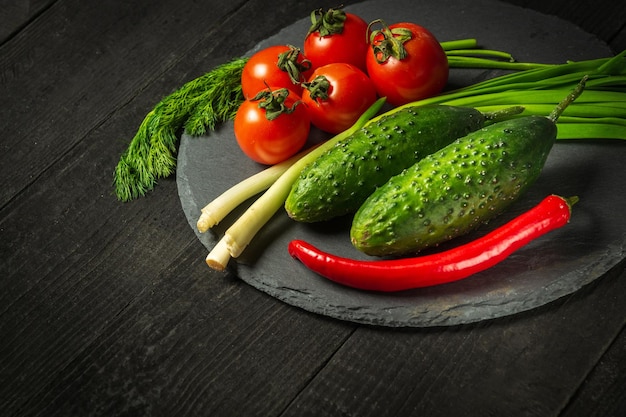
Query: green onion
[[594, 129], [459, 44], [476, 62], [465, 53]]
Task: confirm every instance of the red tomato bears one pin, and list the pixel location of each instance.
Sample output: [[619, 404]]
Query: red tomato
[[272, 141], [323, 46], [347, 95], [422, 73], [262, 70]]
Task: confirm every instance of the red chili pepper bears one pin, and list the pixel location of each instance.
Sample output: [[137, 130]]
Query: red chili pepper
[[451, 265]]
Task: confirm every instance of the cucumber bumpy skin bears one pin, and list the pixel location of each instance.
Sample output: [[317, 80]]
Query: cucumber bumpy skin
[[340, 180], [454, 190]]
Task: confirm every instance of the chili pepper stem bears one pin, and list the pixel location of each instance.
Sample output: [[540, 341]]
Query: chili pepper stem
[[571, 200]]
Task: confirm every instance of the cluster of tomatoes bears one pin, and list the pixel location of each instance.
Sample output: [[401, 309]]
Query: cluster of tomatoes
[[343, 68]]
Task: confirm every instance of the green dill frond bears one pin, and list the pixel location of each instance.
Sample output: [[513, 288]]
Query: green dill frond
[[203, 103], [219, 102]]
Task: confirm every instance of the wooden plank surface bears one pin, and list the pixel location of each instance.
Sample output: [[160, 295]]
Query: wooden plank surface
[[16, 14], [108, 308]]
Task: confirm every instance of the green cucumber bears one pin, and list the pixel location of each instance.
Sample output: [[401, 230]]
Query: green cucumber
[[340, 180], [454, 190]]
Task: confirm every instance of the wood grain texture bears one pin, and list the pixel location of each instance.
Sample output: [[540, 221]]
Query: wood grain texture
[[107, 309], [602, 392], [475, 370], [16, 14]]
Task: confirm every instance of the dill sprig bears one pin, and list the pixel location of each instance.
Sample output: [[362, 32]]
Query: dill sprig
[[198, 105], [210, 109]]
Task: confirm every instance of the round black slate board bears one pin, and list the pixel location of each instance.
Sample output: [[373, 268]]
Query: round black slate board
[[551, 267]]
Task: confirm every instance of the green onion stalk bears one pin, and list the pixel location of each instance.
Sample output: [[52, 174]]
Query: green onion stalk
[[599, 113]]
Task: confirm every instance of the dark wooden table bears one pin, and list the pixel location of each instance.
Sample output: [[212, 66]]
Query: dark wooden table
[[108, 309]]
